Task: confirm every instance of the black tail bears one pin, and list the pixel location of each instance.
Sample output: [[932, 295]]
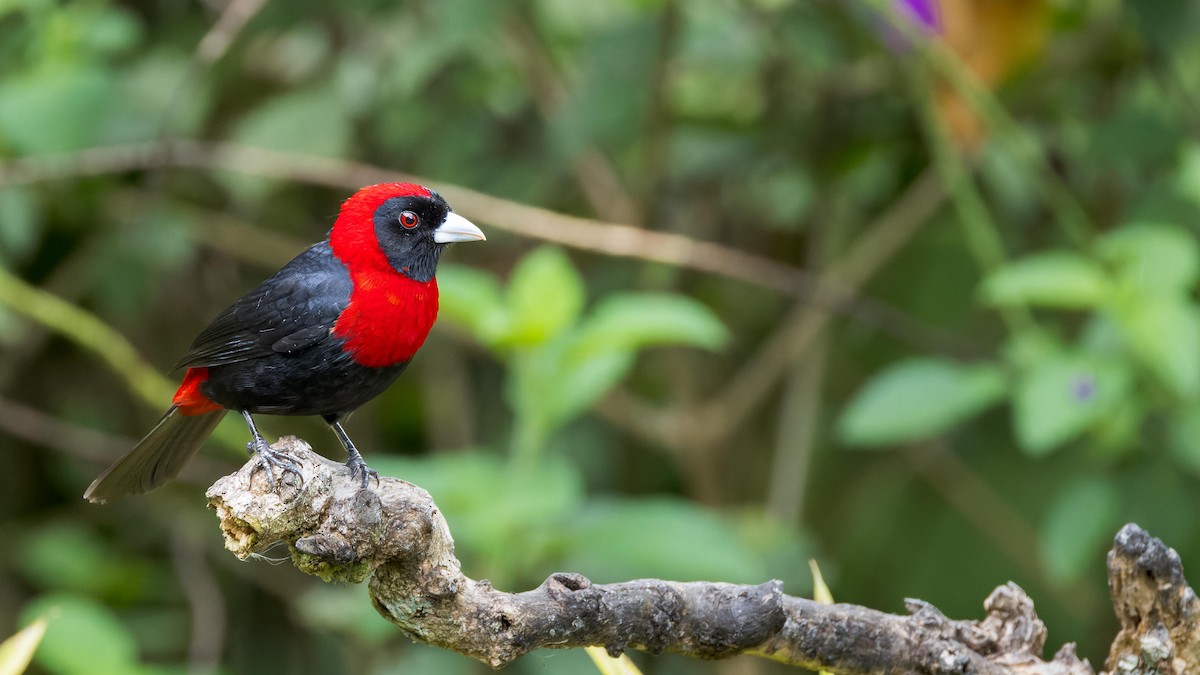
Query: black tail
[[157, 458]]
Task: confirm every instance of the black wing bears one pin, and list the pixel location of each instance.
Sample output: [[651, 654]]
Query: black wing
[[294, 309]]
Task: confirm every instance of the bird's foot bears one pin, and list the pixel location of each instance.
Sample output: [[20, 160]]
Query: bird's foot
[[270, 460], [359, 468]]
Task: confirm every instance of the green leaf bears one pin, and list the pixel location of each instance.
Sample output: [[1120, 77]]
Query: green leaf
[[304, 121], [300, 122], [571, 18], [547, 389], [661, 538], [918, 398], [562, 387], [55, 110], [1164, 333], [1117, 432], [1101, 334], [110, 30], [85, 638], [545, 296], [492, 507], [1053, 279], [1061, 396], [1153, 258], [149, 87], [635, 320], [1079, 527], [562, 378], [784, 191], [66, 555], [465, 484], [472, 298]]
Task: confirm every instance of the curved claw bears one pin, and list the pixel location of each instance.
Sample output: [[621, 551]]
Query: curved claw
[[269, 460], [359, 467]]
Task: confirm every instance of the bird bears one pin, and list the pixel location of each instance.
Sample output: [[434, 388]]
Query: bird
[[332, 329]]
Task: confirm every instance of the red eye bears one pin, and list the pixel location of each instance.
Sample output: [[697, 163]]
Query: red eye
[[409, 220]]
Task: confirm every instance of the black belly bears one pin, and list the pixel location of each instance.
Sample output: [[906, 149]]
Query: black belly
[[310, 382]]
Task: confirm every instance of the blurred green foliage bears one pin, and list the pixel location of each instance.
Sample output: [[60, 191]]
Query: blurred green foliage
[[1025, 362], [560, 363], [1138, 341]]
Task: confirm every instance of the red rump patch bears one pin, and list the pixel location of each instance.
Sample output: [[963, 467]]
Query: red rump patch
[[189, 399], [389, 315]]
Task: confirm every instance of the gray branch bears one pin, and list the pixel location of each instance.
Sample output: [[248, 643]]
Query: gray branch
[[394, 536]]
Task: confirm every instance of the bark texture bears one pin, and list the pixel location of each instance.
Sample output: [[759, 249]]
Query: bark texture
[[394, 536], [1158, 611]]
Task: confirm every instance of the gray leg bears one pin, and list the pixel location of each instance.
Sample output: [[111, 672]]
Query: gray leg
[[267, 458], [354, 460]]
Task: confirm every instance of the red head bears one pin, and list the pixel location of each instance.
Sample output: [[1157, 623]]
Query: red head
[[389, 237], [397, 226]]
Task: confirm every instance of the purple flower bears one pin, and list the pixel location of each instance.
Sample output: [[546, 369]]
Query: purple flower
[[923, 13], [1084, 388]]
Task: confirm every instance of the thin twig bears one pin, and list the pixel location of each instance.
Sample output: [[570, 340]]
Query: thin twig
[[795, 438], [225, 30], [29, 424], [719, 417], [91, 445], [229, 234], [92, 334], [88, 331], [528, 221], [70, 279]]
